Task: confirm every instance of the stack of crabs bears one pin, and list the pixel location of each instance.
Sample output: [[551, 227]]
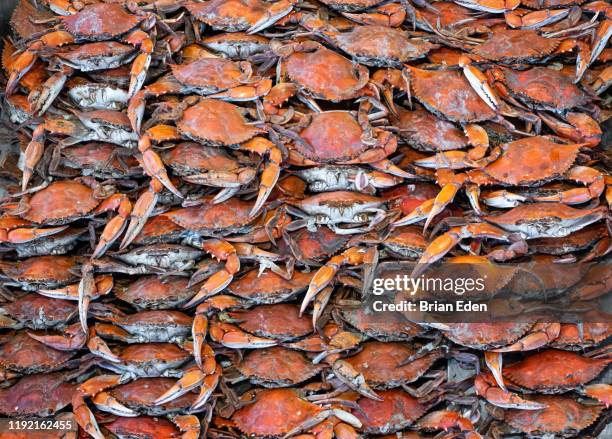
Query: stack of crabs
[[194, 195]]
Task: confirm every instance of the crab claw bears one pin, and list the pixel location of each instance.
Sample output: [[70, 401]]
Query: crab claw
[[20, 66], [87, 289], [233, 337], [115, 226], [21, 236], [32, 154], [138, 73], [106, 402], [443, 199], [353, 379], [199, 330], [154, 167], [269, 176], [207, 388], [136, 109], [501, 398], [84, 417], [98, 347], [540, 335], [417, 215], [189, 381], [140, 213], [273, 13], [189, 426], [73, 339]]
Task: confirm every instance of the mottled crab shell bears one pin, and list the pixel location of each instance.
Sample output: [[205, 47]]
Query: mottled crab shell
[[565, 370], [140, 395], [380, 326], [45, 270], [336, 137], [448, 94], [280, 322], [589, 334], [156, 325], [61, 202], [141, 427], [148, 355], [99, 22], [563, 415], [406, 242], [326, 74], [449, 15], [544, 86], [550, 4], [510, 46], [486, 335], [97, 56], [379, 363], [229, 15], [36, 395], [209, 74], [425, 132], [351, 5], [190, 158], [215, 122], [274, 412], [277, 367], [159, 229], [317, 245], [231, 216], [22, 354], [269, 287], [532, 159], [381, 46], [156, 292], [27, 19], [395, 412], [39, 312]]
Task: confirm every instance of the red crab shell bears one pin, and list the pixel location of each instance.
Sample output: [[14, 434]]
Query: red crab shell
[[562, 415], [541, 85], [216, 73], [269, 287], [142, 427], [281, 321], [507, 46], [22, 354], [44, 269], [159, 229], [27, 19], [336, 137], [153, 353], [156, 292], [449, 94], [39, 311], [317, 245], [351, 5], [382, 327], [140, 395], [425, 132], [486, 335], [229, 15], [590, 334], [546, 4], [274, 412], [215, 122], [396, 411], [218, 218], [36, 395], [277, 367], [61, 202], [100, 21], [326, 74], [190, 158], [379, 363], [564, 370]]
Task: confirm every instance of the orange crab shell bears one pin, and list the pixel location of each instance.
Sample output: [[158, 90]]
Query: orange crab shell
[[277, 367], [425, 132], [153, 352], [395, 412], [546, 4], [388, 356], [100, 22], [564, 370], [229, 15], [274, 412], [60, 203], [209, 72], [507, 46], [21, 353], [158, 229], [317, 245], [30, 306], [542, 85], [190, 158], [36, 395], [143, 392], [351, 5], [281, 321], [58, 269], [562, 414], [486, 335], [532, 159], [155, 292], [392, 327], [449, 94], [336, 137], [233, 213], [142, 426], [27, 19], [269, 287], [216, 122], [326, 74]]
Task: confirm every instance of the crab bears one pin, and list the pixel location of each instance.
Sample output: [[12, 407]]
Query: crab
[[390, 370], [277, 412], [63, 202], [250, 16], [395, 412], [346, 178], [96, 96], [156, 292], [562, 416], [339, 211], [277, 367], [161, 257], [23, 355], [492, 6], [392, 327], [141, 427], [578, 336], [97, 159], [217, 123], [41, 394], [510, 46], [99, 23], [314, 246], [41, 272], [268, 287], [237, 45], [36, 312], [340, 138]]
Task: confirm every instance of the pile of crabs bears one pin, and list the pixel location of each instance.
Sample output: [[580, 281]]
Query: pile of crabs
[[194, 195]]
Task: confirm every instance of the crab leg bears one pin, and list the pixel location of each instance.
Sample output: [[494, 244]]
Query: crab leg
[[270, 174], [592, 177], [417, 215], [104, 285], [98, 347], [443, 199], [73, 338], [353, 379], [153, 165], [322, 416], [106, 402], [20, 236], [484, 387], [83, 415], [189, 426], [273, 13], [33, 154], [141, 64], [232, 337], [325, 274], [540, 335], [115, 226], [140, 213]]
